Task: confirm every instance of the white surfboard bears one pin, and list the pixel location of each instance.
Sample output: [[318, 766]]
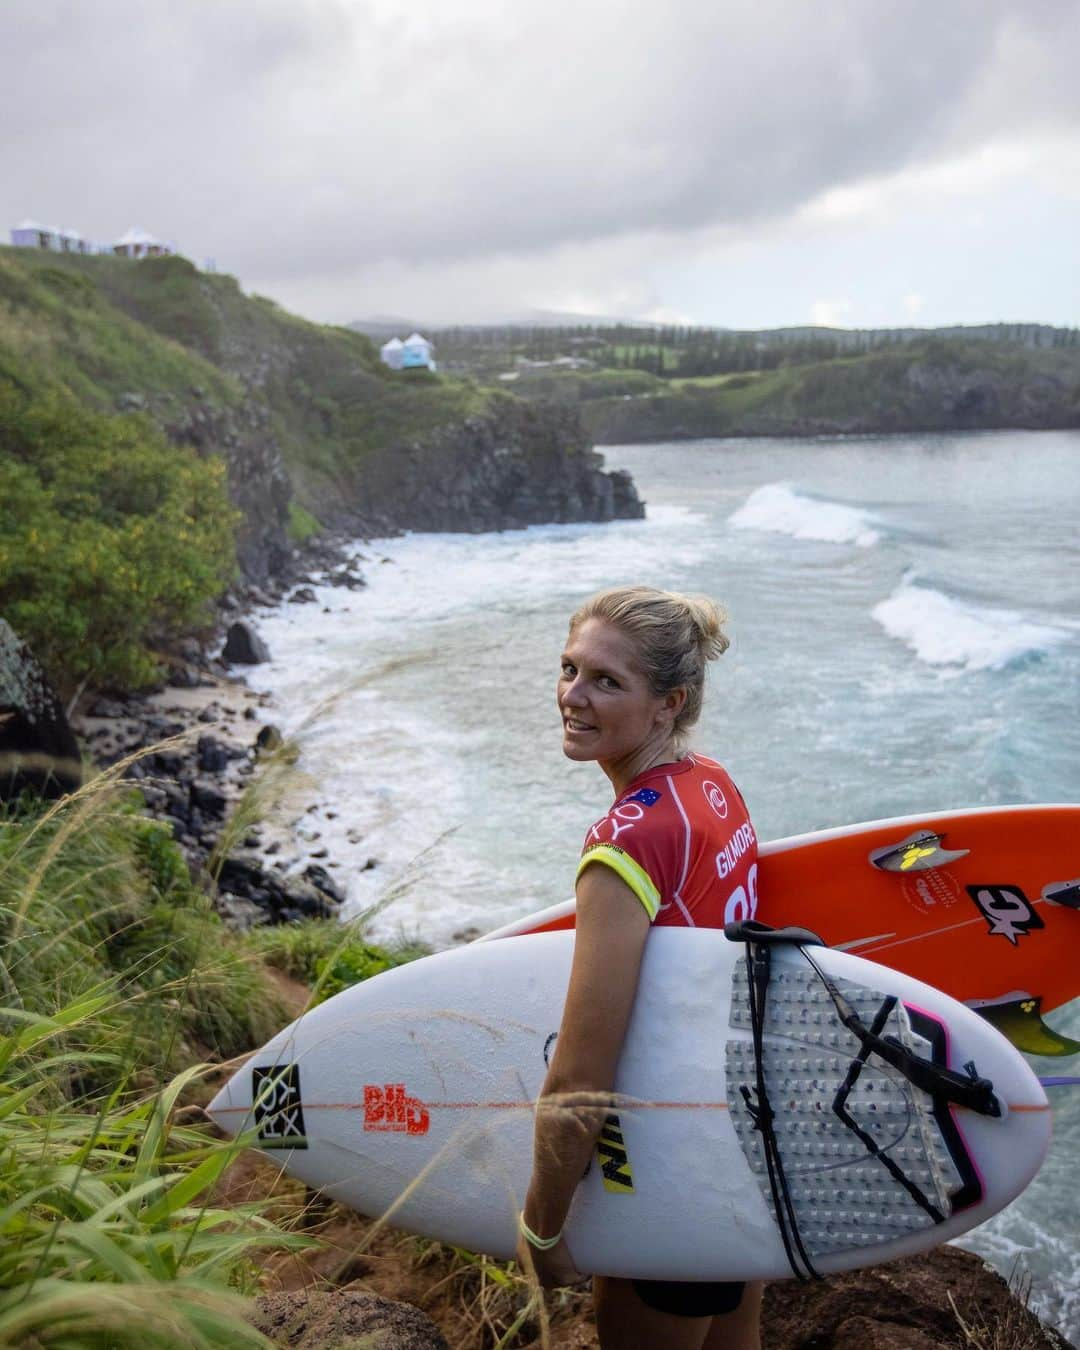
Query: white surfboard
[[412, 1095]]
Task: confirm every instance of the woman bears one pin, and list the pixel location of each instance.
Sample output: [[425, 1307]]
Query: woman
[[675, 848]]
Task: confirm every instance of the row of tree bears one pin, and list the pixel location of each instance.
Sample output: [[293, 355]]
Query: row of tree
[[679, 351]]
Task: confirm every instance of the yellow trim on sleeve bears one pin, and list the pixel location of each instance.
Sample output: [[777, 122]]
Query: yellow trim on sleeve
[[630, 871]]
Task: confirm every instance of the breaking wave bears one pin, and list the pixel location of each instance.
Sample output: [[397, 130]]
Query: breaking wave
[[950, 633], [783, 509]]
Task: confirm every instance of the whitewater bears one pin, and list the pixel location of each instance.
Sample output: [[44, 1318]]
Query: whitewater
[[905, 623]]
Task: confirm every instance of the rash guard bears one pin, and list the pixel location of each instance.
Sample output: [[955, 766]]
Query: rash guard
[[681, 839]]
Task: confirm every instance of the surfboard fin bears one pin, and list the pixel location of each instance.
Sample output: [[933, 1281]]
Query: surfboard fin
[[1065, 893], [919, 852], [1019, 1018]]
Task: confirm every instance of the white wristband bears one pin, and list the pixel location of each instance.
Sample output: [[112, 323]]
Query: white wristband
[[541, 1244]]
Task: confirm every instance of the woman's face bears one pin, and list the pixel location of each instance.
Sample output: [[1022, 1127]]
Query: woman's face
[[609, 711]]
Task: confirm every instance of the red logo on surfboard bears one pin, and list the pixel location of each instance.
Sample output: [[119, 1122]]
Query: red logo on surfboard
[[389, 1108]]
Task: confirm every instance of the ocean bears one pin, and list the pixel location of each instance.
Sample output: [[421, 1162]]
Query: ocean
[[905, 623]]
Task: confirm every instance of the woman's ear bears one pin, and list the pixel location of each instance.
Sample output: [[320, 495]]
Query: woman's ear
[[673, 704]]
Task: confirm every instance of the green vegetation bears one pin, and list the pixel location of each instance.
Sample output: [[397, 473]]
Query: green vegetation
[[187, 345], [302, 525], [111, 540], [116, 980], [640, 383], [328, 957]]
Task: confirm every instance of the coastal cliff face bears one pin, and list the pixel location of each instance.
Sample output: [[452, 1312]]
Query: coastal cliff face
[[937, 387], [307, 419], [520, 464]]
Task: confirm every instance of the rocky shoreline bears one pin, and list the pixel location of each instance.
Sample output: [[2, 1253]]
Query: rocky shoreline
[[196, 744]]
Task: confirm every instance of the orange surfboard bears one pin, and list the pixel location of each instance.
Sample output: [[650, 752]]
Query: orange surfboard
[[984, 904]]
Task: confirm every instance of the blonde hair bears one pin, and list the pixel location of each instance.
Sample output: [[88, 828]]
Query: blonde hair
[[675, 636]]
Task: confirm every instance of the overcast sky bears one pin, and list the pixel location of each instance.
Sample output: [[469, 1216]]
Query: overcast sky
[[857, 162]]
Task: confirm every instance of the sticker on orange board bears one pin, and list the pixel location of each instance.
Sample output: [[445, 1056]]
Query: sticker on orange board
[[931, 892], [390, 1109], [919, 852], [1007, 910]]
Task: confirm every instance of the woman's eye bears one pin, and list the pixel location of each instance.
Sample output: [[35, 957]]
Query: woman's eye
[[608, 682], [568, 670]]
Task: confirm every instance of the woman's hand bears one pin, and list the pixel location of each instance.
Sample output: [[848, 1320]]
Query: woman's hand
[[553, 1268]]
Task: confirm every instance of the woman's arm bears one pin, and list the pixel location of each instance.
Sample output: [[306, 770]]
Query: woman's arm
[[612, 926]]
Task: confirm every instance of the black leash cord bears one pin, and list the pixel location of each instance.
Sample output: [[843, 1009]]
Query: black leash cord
[[758, 969], [870, 1144], [942, 1084]]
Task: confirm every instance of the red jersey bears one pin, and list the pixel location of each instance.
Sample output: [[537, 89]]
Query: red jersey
[[681, 839]]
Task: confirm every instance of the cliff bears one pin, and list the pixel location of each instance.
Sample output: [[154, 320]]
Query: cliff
[[936, 385], [309, 422]]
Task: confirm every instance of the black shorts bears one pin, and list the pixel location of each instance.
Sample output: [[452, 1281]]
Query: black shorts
[[690, 1298]]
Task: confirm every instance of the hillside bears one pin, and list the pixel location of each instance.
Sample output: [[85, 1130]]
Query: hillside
[[309, 422], [632, 384]]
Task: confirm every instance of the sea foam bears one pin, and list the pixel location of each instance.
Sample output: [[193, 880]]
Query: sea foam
[[783, 509], [954, 634]]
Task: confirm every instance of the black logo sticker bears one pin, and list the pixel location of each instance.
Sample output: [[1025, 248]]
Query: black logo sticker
[[1007, 910], [275, 1092]]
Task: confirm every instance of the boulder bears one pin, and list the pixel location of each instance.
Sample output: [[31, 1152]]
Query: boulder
[[345, 1319], [243, 646], [269, 738], [38, 749]]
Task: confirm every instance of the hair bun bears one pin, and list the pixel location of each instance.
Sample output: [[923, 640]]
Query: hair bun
[[709, 619]]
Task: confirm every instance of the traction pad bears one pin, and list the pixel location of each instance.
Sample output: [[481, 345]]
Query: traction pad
[[843, 1197]]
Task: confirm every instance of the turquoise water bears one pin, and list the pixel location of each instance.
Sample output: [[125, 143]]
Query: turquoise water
[[905, 615]]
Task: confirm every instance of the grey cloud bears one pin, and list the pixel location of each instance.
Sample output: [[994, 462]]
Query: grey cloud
[[308, 136]]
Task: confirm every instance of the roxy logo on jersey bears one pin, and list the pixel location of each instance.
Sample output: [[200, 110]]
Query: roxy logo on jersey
[[1007, 910], [714, 795], [389, 1108]]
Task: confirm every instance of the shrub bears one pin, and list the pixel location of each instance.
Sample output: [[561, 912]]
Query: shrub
[[111, 540]]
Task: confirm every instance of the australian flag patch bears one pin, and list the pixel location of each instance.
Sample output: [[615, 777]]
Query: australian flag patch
[[646, 796]]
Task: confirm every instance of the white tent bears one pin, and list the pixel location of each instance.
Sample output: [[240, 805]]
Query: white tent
[[417, 351], [392, 352]]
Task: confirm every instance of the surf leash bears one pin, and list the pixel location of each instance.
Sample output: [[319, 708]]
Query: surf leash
[[758, 970], [941, 1084]]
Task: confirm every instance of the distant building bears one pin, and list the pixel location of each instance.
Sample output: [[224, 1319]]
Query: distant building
[[415, 353], [392, 353], [138, 244], [32, 235], [135, 244]]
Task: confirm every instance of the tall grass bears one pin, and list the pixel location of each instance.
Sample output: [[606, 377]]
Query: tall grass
[[115, 973]]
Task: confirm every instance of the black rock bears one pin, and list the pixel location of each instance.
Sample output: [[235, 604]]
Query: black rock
[[213, 756], [351, 580], [321, 879], [208, 798], [269, 738], [38, 749], [243, 646], [304, 596], [107, 707], [183, 677], [169, 763]]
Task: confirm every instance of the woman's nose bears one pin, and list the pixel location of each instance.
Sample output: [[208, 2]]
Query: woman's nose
[[573, 694]]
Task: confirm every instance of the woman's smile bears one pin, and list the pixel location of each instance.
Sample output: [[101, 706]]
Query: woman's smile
[[608, 708]]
